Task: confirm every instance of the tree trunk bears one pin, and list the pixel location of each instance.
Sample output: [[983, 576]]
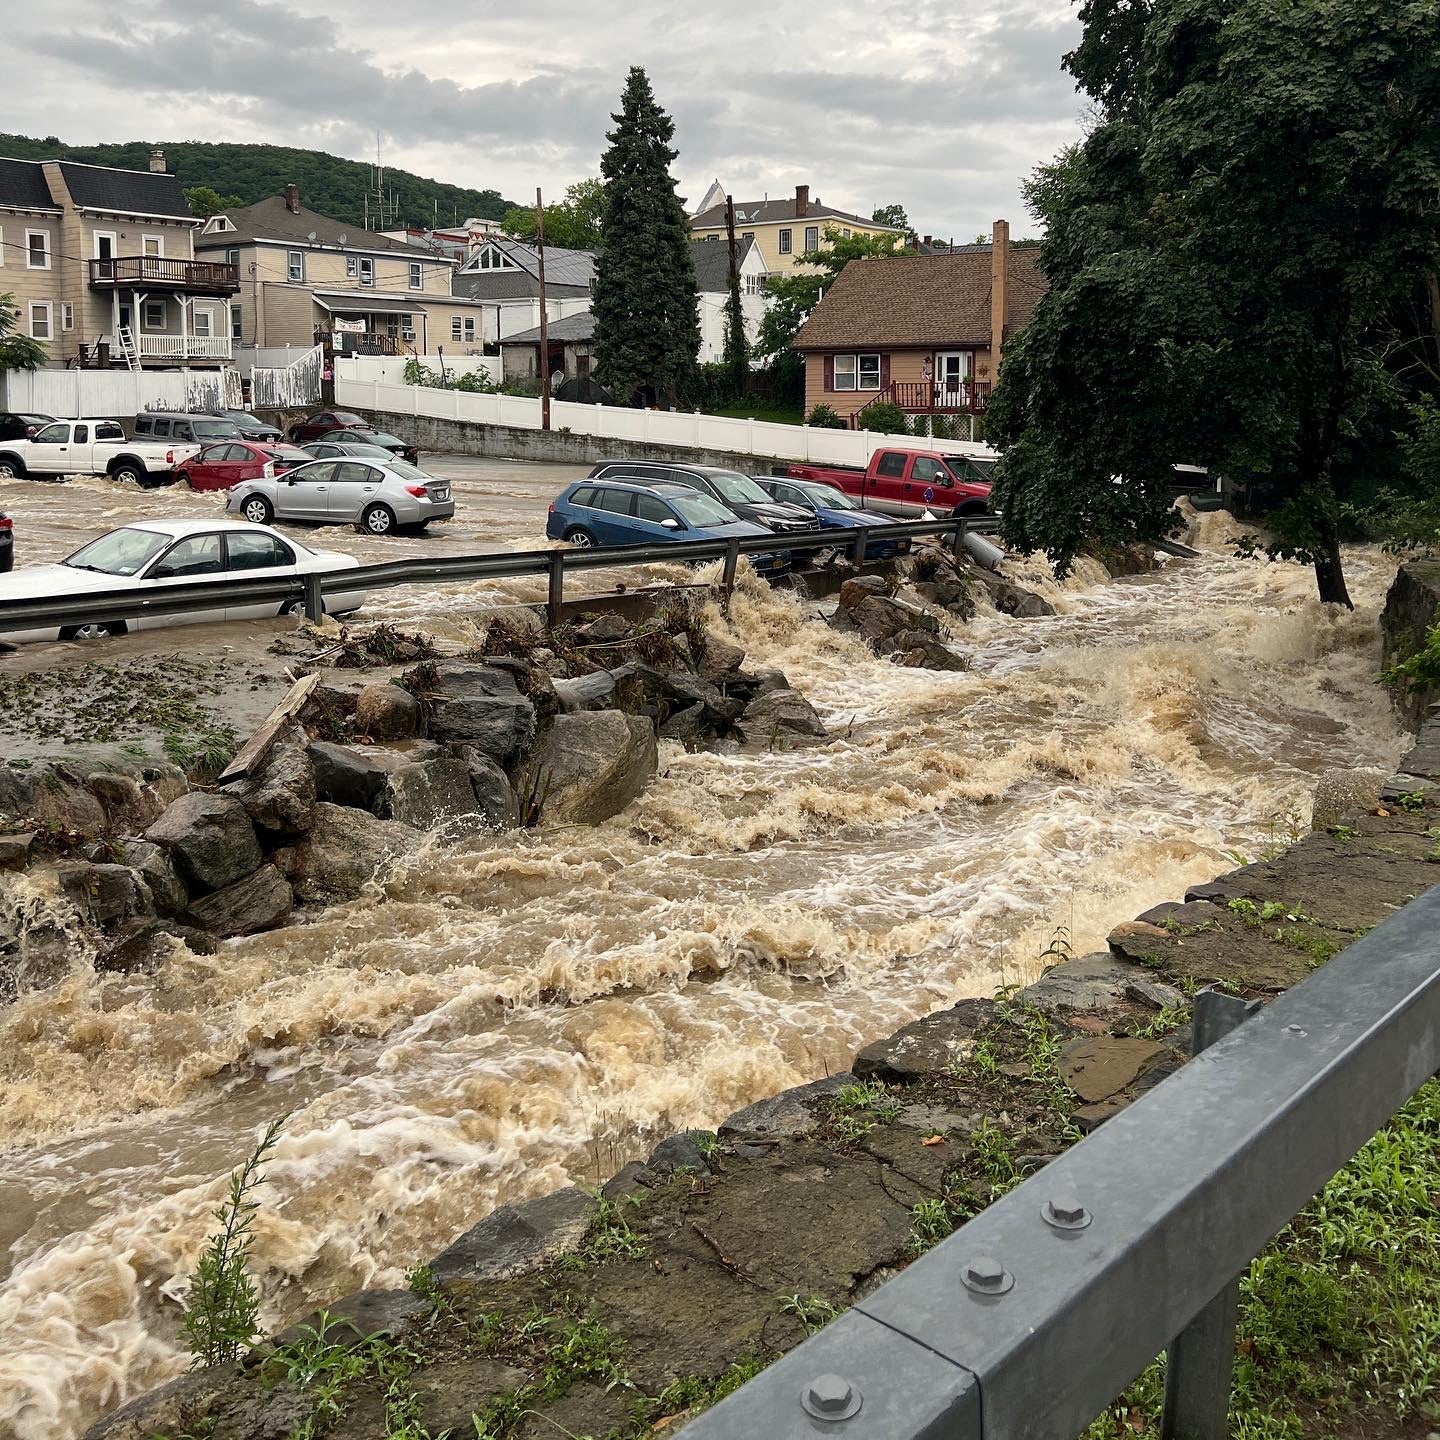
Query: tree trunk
[[1329, 572]]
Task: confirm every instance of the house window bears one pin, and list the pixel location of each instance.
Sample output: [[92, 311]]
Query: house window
[[295, 266], [417, 278], [812, 238], [845, 234], [232, 257], [152, 316], [235, 321], [204, 323], [857, 372], [2, 244], [67, 316], [40, 320], [152, 247], [786, 241], [37, 249], [407, 327], [469, 329], [352, 266], [455, 327], [869, 372], [367, 272]]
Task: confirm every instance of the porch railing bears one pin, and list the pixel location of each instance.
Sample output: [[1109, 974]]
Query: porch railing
[[183, 347], [931, 397], [135, 271]]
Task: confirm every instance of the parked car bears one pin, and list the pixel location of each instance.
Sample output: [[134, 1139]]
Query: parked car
[[363, 435], [152, 553], [92, 447], [378, 496], [835, 510], [20, 425], [323, 423], [339, 449], [7, 542], [219, 467], [737, 492], [907, 483], [251, 426], [183, 426], [631, 512]]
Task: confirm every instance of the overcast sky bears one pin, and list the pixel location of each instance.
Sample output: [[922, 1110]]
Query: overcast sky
[[937, 105]]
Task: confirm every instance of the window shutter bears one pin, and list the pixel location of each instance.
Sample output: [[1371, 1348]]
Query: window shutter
[[829, 373], [884, 371]]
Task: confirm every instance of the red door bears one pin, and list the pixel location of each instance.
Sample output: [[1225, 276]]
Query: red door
[[220, 466]]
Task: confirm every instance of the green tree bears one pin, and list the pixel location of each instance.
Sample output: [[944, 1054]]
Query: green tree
[[205, 202], [17, 352], [573, 223], [895, 215], [737, 346], [1255, 201], [647, 322]]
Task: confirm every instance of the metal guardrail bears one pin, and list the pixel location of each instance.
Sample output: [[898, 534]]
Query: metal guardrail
[[178, 598], [1031, 1318]]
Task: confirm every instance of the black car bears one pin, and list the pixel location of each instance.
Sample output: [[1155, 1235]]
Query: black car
[[735, 491], [339, 449], [17, 425], [7, 542], [251, 426], [393, 443]]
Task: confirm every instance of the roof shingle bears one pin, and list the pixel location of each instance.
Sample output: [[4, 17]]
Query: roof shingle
[[272, 219], [573, 328], [768, 212], [920, 300], [22, 186], [125, 192], [712, 263]]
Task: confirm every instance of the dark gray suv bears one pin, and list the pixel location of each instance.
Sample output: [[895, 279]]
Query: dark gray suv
[[735, 491]]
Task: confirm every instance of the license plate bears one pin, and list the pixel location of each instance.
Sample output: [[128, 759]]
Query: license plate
[[439, 494]]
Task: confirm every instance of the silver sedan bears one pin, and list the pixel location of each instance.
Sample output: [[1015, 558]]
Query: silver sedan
[[378, 496]]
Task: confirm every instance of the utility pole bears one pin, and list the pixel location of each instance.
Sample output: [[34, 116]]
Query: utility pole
[[544, 317], [730, 237]]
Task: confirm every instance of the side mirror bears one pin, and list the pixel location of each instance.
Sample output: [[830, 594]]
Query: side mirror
[[670, 523]]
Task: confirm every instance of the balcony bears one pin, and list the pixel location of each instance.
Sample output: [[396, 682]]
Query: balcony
[[178, 348], [152, 272], [935, 397]]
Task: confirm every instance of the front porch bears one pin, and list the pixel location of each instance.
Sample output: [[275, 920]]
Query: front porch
[[929, 397]]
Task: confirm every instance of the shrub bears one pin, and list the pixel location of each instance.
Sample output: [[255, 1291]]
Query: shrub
[[825, 418], [885, 418]]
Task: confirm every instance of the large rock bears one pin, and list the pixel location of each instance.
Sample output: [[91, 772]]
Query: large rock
[[790, 1113], [365, 1315], [494, 795], [777, 710], [859, 588], [428, 793], [159, 873], [878, 617], [104, 894], [924, 650], [180, 1407], [1093, 982], [516, 1239], [280, 797], [261, 901], [61, 802], [592, 765], [17, 788], [387, 712], [1412, 606], [15, 850], [482, 706], [344, 850], [719, 659], [209, 837], [1096, 1068], [1012, 599], [924, 1046], [347, 776]]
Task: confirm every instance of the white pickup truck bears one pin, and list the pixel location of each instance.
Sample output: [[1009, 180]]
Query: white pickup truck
[[92, 447]]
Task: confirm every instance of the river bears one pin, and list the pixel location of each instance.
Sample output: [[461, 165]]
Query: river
[[511, 1015]]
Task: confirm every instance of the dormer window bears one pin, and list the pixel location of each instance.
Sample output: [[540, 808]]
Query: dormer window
[[491, 258], [217, 225]]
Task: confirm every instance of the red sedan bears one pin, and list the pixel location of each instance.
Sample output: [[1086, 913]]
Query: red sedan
[[323, 424], [218, 467]]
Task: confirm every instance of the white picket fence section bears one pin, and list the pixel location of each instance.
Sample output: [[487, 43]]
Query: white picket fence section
[[118, 393], [682, 429], [390, 369], [288, 387]]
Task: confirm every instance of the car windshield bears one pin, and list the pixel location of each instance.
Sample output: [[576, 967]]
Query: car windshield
[[738, 487], [829, 497], [700, 510], [241, 417], [121, 552]]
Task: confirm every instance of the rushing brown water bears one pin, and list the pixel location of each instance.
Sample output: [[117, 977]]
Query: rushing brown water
[[502, 1017]]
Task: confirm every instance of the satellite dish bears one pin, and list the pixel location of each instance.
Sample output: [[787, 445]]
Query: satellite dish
[[311, 235], [340, 238]]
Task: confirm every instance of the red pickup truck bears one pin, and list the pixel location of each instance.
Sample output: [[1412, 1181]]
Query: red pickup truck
[[907, 483]]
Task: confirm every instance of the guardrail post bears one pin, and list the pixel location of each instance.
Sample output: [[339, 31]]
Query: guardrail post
[[857, 546], [732, 563], [957, 544], [1200, 1362], [556, 599], [314, 599]]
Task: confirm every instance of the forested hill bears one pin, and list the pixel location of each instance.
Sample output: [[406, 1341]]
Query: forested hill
[[327, 183]]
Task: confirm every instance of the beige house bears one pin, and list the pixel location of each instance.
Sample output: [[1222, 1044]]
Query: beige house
[[924, 332], [101, 263], [306, 278], [784, 231]]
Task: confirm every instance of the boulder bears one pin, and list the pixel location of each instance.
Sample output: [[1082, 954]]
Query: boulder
[[678, 1152], [950, 591], [17, 788], [481, 705], [141, 944], [121, 792], [60, 802], [347, 776], [367, 1314], [1097, 1067], [1154, 994], [516, 1239], [494, 795], [780, 709], [261, 901], [671, 691], [1012, 599], [209, 837], [790, 1113], [685, 725], [167, 889], [859, 589], [719, 659], [280, 796], [387, 712], [924, 650], [184, 1405], [1093, 982], [15, 850], [1173, 913], [104, 894], [428, 793], [1412, 606], [343, 851], [592, 765], [1140, 941], [924, 1046], [878, 617]]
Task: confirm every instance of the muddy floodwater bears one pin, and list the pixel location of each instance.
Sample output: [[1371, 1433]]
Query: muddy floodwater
[[508, 1016]]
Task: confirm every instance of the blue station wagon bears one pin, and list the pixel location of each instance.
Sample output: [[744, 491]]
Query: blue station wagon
[[613, 512]]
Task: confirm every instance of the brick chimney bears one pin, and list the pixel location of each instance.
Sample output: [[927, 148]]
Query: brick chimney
[[999, 289], [292, 199], [157, 162], [802, 201]]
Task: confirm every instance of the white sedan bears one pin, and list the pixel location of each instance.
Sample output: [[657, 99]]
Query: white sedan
[[152, 553]]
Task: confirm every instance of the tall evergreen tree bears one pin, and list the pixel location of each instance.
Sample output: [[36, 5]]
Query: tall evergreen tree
[[737, 347], [647, 320]]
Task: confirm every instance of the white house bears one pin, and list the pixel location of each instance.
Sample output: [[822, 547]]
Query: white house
[[712, 283]]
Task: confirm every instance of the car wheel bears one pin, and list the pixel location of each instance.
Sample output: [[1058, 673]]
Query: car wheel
[[974, 508], [183, 478], [11, 469], [580, 539], [128, 474], [257, 510], [295, 609], [377, 520], [93, 630]]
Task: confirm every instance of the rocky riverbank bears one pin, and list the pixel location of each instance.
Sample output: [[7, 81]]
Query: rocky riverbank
[[621, 1313]]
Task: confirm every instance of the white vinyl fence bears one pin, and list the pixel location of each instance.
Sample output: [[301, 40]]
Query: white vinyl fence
[[117, 393], [683, 429], [390, 369], [293, 386]]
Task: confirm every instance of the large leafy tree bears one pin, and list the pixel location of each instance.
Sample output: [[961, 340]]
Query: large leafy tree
[[17, 352], [205, 201], [573, 223], [647, 320], [1226, 252]]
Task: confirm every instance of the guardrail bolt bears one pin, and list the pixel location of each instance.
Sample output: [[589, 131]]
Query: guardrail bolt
[[987, 1276], [831, 1397], [1065, 1212]]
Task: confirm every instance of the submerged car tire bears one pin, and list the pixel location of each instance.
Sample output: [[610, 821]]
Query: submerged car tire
[[11, 468], [257, 510], [183, 478], [973, 508], [579, 538], [377, 520], [295, 610], [94, 630], [127, 472]]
